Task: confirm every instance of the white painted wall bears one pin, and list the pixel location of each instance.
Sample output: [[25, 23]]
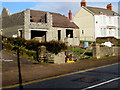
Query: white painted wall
[[85, 21], [103, 24]]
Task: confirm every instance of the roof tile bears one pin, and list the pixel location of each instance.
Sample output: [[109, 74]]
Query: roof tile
[[58, 19], [98, 11]]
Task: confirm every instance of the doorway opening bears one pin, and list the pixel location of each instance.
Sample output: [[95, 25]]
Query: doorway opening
[[59, 35], [40, 34]]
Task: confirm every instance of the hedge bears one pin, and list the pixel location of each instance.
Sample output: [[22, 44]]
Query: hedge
[[52, 46]]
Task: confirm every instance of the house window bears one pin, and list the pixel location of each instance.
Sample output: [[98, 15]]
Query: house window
[[31, 20], [82, 31], [69, 33], [103, 31]]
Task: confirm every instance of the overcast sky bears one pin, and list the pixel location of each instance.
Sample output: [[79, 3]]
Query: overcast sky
[[57, 6]]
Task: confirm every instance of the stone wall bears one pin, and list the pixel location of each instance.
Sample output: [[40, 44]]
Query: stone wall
[[72, 41], [27, 33], [106, 39], [100, 52], [59, 58], [34, 25]]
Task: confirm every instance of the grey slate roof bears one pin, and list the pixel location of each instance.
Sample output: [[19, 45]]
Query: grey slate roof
[[98, 11]]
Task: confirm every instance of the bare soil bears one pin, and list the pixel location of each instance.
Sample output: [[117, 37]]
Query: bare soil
[[39, 71]]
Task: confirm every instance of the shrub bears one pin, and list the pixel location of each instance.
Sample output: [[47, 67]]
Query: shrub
[[55, 46], [8, 46], [19, 41], [32, 44], [52, 46], [16, 41]]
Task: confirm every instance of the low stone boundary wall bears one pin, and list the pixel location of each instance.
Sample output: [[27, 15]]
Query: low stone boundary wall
[[103, 51]]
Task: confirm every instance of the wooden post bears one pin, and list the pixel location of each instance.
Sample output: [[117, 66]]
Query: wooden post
[[19, 70]]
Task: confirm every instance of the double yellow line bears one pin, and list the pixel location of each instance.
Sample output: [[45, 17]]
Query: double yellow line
[[39, 80]]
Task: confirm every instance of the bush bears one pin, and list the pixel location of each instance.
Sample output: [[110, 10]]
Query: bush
[[55, 46], [8, 46], [52, 46], [16, 41], [30, 53], [32, 44]]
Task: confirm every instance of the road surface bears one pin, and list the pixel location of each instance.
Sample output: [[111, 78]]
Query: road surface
[[107, 76]]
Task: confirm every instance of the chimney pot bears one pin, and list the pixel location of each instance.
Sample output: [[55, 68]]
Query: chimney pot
[[70, 15], [109, 6], [83, 3]]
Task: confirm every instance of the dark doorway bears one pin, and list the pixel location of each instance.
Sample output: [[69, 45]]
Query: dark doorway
[[69, 32], [20, 32], [59, 35], [38, 34]]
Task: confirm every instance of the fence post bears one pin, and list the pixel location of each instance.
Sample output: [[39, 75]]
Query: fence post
[[37, 54], [19, 70]]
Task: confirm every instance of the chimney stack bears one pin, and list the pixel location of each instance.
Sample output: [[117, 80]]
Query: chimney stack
[[70, 15], [109, 6], [83, 3]]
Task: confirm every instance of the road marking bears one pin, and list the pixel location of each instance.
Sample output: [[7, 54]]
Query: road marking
[[40, 80], [102, 83]]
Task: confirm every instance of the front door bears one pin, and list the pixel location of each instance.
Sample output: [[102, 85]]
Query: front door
[[59, 35]]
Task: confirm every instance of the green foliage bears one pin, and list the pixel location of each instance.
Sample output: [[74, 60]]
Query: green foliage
[[32, 44], [16, 41], [24, 45], [82, 41], [79, 51], [36, 62], [55, 46], [8, 46], [30, 53], [119, 41]]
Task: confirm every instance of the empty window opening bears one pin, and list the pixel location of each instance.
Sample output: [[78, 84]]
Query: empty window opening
[[44, 18], [82, 31], [69, 33], [31, 20]]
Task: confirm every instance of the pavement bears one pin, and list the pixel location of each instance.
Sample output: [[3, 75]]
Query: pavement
[[107, 76]]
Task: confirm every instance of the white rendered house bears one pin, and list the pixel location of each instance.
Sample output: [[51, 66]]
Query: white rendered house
[[97, 22]]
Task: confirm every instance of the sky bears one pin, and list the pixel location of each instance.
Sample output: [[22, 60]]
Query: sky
[[56, 6]]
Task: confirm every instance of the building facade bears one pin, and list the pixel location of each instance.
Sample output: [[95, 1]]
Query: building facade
[[47, 26], [97, 22]]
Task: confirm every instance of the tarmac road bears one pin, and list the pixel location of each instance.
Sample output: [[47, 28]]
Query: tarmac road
[[100, 77]]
